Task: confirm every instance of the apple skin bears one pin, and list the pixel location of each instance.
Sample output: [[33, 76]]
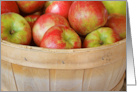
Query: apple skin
[[47, 3], [59, 7], [37, 13], [31, 19], [30, 6], [115, 7], [118, 24], [15, 29], [44, 22], [9, 6], [61, 37], [86, 16], [101, 36]]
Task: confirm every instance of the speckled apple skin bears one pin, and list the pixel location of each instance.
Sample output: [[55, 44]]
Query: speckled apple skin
[[44, 22], [30, 6], [9, 6], [118, 23], [15, 29], [61, 37], [86, 16], [101, 36]]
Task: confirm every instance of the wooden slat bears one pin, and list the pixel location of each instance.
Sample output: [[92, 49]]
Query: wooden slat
[[107, 77], [66, 80], [7, 77], [119, 85], [31, 79]]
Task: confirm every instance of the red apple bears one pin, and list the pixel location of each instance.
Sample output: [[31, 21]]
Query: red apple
[[86, 16], [61, 37], [14, 28], [101, 36], [30, 6], [9, 6], [44, 22], [31, 19], [118, 24], [59, 7]]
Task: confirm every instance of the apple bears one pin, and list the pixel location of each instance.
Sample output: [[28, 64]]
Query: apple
[[118, 24], [115, 7], [15, 29], [37, 13], [30, 6], [86, 16], [59, 7], [61, 37], [100, 36], [9, 6], [31, 19], [48, 3], [44, 22]]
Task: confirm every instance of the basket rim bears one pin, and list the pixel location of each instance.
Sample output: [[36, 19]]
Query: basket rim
[[27, 47], [49, 57]]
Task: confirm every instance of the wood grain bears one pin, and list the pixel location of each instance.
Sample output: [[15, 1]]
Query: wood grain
[[7, 77], [62, 59], [31, 79], [119, 85], [66, 80]]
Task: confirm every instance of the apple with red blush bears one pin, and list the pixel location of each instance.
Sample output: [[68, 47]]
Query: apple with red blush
[[31, 19], [86, 16], [118, 23], [15, 29], [44, 22], [99, 37], [9, 6], [59, 7], [30, 6], [61, 37]]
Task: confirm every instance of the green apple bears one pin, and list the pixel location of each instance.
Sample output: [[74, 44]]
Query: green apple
[[101, 36], [115, 7], [14, 28]]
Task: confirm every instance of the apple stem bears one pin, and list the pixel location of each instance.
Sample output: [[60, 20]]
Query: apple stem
[[12, 31], [101, 42]]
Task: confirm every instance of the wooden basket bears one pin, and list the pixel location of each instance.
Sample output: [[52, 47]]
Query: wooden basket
[[27, 68]]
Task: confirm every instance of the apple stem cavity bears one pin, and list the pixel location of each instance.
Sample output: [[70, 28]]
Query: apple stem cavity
[[12, 31], [101, 43]]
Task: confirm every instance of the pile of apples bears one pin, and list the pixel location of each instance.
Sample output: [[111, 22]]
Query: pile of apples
[[63, 24]]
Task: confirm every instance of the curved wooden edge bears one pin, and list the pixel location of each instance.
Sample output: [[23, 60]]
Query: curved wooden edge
[[120, 84], [27, 47], [63, 59]]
